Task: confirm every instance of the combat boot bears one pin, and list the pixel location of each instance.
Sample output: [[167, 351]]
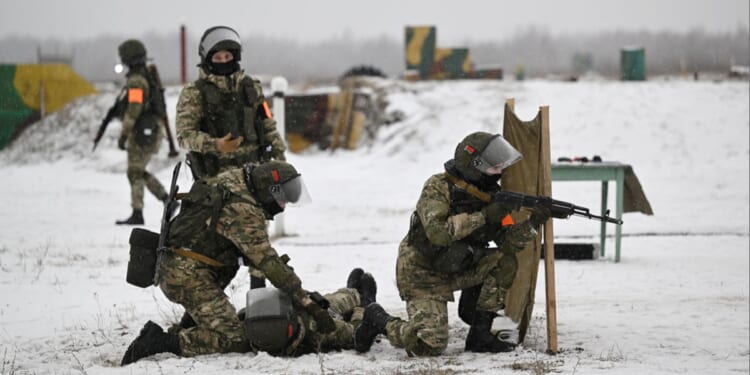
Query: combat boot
[[151, 340], [354, 278], [373, 324], [481, 339], [367, 289], [136, 218]]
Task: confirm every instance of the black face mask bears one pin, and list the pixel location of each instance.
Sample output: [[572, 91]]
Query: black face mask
[[223, 69]]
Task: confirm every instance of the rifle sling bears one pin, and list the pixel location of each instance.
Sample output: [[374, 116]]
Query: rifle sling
[[469, 188], [198, 257]]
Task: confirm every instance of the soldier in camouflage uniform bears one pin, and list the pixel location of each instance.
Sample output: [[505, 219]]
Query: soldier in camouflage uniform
[[218, 224], [292, 332], [447, 250], [141, 127], [223, 119]]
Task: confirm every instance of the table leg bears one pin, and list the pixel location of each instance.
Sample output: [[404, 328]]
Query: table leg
[[618, 228], [603, 231]]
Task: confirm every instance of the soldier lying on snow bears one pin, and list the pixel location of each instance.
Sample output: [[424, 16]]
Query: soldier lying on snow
[[217, 224]]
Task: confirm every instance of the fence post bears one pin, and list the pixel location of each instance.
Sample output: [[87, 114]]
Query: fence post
[[279, 86]]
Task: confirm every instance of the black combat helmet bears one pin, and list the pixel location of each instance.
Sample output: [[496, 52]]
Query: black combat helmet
[[219, 38], [270, 321], [132, 52], [485, 154], [275, 184]]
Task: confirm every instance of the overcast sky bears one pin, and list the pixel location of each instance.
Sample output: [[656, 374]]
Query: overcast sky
[[315, 20]]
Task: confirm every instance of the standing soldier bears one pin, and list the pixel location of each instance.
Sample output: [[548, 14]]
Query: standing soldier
[[223, 119], [446, 250], [219, 223], [141, 127]]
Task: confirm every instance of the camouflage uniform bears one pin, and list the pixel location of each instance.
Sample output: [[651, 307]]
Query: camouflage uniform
[[192, 118], [238, 230], [427, 291], [140, 154], [344, 302]]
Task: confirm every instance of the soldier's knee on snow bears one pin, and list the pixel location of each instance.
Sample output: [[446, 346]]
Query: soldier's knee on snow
[[420, 348]]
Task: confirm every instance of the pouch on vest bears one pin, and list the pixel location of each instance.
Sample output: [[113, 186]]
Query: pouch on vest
[[270, 321], [146, 130], [456, 258], [142, 263]]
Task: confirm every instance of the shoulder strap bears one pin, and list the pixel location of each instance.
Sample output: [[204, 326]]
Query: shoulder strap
[[469, 188]]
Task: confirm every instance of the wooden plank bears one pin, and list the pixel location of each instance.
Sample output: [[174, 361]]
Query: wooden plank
[[549, 246]]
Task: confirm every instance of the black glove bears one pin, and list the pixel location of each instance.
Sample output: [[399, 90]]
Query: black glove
[[516, 236], [495, 212], [539, 216], [121, 142], [322, 318]]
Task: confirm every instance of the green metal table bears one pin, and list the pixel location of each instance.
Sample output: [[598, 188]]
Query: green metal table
[[598, 171]]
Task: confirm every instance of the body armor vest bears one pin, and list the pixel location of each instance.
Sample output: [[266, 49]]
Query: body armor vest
[[195, 226], [240, 113], [460, 202], [231, 112]]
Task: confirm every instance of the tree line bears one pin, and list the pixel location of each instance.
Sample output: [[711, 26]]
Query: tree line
[[534, 49]]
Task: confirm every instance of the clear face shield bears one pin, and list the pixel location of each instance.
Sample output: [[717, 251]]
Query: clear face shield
[[496, 156], [292, 192]]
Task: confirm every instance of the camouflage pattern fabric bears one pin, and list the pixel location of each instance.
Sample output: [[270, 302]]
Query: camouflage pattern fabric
[[344, 302], [139, 177], [199, 288], [427, 291], [190, 114], [139, 156]]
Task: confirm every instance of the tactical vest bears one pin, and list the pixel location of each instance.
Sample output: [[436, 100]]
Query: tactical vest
[[240, 113], [460, 202], [195, 226]]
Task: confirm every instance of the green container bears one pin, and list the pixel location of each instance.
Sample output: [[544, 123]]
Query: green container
[[633, 64], [420, 49]]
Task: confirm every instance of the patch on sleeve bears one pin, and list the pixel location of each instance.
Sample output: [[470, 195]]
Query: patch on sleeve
[[135, 95], [267, 110]]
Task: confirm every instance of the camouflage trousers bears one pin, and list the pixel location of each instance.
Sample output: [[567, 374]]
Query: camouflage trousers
[[427, 292], [200, 290], [345, 303], [138, 177]]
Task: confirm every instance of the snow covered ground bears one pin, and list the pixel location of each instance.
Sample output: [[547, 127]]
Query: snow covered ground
[[676, 303]]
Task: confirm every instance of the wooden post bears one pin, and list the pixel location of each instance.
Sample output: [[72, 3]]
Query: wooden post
[[549, 245]]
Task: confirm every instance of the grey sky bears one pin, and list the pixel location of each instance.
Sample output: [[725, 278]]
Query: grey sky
[[315, 20]]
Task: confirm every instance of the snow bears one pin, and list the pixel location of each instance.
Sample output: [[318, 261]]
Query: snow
[[676, 303]]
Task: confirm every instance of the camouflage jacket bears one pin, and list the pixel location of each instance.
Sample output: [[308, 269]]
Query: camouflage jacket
[[191, 116], [240, 225]]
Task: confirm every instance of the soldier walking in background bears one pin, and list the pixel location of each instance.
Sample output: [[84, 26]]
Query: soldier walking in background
[[223, 119], [142, 123], [447, 249]]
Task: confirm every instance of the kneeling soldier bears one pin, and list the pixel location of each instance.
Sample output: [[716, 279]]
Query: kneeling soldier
[[217, 224]]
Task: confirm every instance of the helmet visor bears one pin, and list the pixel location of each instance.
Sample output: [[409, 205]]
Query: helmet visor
[[292, 192], [496, 156], [217, 35]]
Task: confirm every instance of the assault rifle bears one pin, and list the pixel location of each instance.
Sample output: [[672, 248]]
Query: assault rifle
[[558, 209], [116, 110], [170, 205]]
